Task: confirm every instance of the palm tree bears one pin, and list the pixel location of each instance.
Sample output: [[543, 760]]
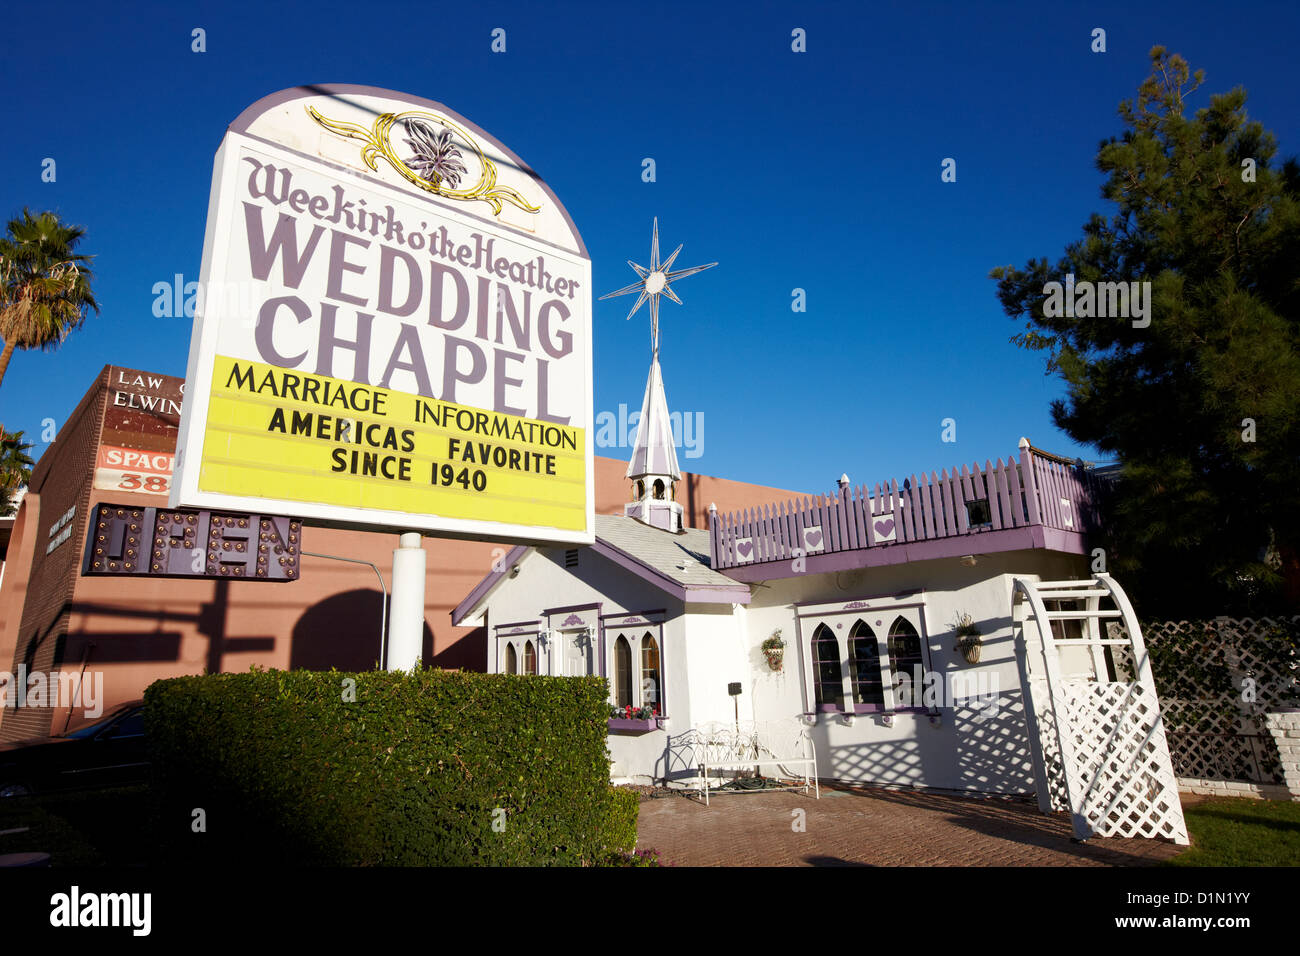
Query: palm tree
[[44, 286], [15, 469]]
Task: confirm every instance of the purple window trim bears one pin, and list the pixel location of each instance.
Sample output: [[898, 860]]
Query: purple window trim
[[533, 623], [645, 614], [618, 669], [606, 631], [552, 611], [817, 663], [808, 658], [870, 709], [914, 597], [602, 661]]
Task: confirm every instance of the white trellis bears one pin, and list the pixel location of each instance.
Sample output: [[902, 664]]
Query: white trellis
[[1099, 743]]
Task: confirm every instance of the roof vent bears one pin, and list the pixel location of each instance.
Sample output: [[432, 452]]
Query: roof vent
[[571, 558]]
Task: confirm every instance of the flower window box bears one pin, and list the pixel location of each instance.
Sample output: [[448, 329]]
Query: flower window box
[[634, 720], [633, 725]]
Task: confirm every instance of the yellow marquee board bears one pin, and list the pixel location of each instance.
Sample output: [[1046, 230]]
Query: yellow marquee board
[[273, 433], [394, 329]]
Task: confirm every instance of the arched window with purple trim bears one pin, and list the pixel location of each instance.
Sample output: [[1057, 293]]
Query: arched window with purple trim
[[828, 678], [907, 664], [512, 660], [650, 696], [530, 658], [864, 668], [622, 672]]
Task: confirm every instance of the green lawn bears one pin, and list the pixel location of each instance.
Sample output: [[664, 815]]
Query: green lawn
[[1237, 831]]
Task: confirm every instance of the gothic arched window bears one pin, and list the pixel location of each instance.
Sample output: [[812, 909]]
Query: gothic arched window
[[650, 696], [906, 663], [622, 673], [827, 675], [864, 667]]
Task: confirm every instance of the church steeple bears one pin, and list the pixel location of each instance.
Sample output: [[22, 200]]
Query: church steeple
[[653, 468]]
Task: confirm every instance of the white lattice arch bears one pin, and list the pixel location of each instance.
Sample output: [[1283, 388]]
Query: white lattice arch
[[1099, 744]]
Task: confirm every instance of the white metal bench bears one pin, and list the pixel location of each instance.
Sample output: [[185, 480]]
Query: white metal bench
[[785, 745]]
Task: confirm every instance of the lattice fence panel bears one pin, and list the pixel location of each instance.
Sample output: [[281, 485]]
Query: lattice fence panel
[[1216, 680], [1121, 760], [1051, 752]]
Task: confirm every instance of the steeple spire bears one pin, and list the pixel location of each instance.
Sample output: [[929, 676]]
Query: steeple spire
[[653, 452], [653, 468]]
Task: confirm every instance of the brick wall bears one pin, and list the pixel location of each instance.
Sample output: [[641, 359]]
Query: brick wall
[[61, 480]]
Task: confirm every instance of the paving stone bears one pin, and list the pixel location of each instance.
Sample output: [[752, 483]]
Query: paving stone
[[875, 827]]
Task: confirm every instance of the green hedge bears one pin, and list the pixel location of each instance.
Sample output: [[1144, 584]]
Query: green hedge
[[413, 771]]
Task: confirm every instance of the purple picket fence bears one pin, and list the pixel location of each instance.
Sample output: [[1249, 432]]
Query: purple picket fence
[[1029, 488]]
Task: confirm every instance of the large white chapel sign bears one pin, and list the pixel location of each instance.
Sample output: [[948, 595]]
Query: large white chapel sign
[[395, 330]]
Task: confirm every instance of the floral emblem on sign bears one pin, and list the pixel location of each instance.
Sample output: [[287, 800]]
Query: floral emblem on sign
[[443, 155], [437, 157]]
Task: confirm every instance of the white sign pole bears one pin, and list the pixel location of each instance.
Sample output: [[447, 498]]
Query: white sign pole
[[406, 618]]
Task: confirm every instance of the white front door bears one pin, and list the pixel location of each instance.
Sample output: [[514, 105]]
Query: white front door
[[577, 654]]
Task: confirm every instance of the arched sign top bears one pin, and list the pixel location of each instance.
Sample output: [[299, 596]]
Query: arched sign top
[[418, 146]]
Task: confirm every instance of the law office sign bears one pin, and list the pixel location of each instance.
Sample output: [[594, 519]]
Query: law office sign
[[394, 328]]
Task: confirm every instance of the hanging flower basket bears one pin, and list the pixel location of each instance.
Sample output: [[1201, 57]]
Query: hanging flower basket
[[969, 641], [970, 648], [774, 651]]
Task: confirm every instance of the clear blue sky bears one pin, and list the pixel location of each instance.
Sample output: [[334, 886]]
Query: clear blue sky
[[818, 171]]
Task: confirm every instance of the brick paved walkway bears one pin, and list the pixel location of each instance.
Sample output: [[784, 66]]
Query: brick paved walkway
[[874, 827]]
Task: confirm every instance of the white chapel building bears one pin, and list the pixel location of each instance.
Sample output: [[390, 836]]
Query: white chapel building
[[864, 588]]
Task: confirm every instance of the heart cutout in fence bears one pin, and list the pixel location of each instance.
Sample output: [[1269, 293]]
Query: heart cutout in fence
[[885, 528], [812, 538], [744, 548]]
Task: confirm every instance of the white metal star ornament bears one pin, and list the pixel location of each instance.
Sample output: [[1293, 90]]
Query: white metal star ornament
[[656, 281]]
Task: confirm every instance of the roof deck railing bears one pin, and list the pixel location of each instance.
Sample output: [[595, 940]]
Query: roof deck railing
[[1032, 488]]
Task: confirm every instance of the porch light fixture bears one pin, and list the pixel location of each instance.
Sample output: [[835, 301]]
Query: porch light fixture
[[969, 560]]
